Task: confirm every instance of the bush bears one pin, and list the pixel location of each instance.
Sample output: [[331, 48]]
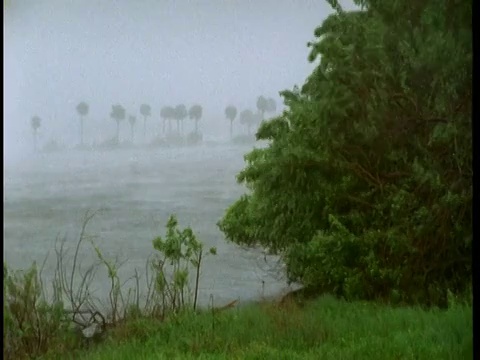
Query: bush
[[35, 324], [365, 188]]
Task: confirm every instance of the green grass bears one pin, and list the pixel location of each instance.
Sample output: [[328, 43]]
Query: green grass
[[324, 329]]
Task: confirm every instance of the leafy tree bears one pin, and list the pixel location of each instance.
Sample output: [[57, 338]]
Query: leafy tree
[[82, 110], [180, 115], [365, 188], [35, 123], [231, 114], [195, 113], [262, 105], [132, 120], [118, 114], [247, 118], [146, 111]]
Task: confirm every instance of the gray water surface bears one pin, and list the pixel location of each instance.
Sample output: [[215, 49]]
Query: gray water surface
[[47, 195]]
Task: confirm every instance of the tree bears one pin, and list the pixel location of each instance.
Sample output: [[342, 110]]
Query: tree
[[231, 113], [118, 114], [35, 123], [169, 114], [180, 115], [355, 190], [271, 105], [132, 120], [247, 118], [262, 105], [82, 109], [146, 111], [165, 114], [195, 113]]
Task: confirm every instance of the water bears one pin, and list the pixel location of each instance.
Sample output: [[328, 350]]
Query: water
[[47, 195]]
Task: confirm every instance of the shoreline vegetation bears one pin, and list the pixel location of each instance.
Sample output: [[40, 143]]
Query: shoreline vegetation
[[192, 139], [68, 322], [364, 190]]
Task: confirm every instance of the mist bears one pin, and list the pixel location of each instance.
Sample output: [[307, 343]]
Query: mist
[[58, 53], [214, 53]]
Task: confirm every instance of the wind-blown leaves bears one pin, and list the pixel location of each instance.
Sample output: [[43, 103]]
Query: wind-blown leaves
[[367, 158]]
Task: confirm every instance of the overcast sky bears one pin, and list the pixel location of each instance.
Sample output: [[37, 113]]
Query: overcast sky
[[212, 52]]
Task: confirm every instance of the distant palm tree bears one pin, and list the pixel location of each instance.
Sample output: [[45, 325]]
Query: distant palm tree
[[118, 114], [272, 105], [132, 120], [247, 118], [164, 114], [195, 113], [35, 122], [82, 110], [262, 105], [180, 115], [146, 111], [231, 113], [169, 114]]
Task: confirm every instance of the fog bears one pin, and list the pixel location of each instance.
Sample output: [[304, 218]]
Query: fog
[[214, 53], [58, 53]]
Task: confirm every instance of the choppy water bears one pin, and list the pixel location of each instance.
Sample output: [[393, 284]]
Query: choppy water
[[47, 196]]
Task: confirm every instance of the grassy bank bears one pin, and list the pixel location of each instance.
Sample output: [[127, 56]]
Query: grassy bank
[[324, 329]]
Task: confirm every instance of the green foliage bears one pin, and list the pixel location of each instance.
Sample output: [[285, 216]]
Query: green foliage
[[31, 325], [324, 329], [35, 325], [182, 251], [365, 188]]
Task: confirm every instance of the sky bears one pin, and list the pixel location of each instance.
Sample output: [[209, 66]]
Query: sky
[[164, 52]]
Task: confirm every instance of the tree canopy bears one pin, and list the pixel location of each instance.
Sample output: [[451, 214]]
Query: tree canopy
[[365, 188], [82, 108], [195, 112], [231, 112], [145, 110]]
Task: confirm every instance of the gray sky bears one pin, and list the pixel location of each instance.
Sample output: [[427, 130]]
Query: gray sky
[[165, 52]]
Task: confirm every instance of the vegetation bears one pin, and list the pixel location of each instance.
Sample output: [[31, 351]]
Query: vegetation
[[366, 187], [82, 110], [146, 111], [132, 120], [195, 113], [37, 321], [118, 114], [231, 114], [247, 119], [180, 115], [35, 123], [324, 329]]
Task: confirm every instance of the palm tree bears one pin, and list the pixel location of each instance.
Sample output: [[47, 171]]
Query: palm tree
[[146, 111], [247, 118], [82, 110], [164, 114], [195, 113], [169, 114], [118, 114], [132, 120], [35, 122], [180, 114], [262, 105], [231, 113], [272, 105]]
